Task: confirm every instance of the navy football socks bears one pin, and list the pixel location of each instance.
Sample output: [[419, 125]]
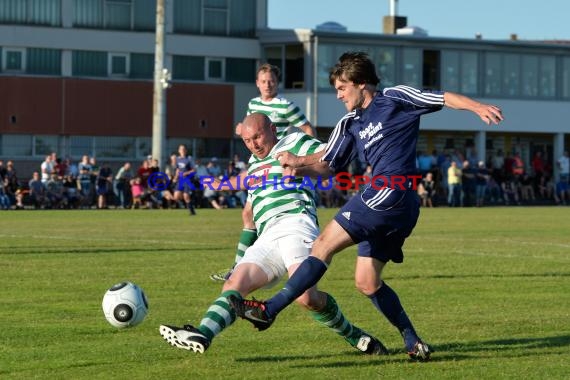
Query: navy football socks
[[308, 274], [387, 301]]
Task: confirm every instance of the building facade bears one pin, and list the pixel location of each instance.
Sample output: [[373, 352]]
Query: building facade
[[76, 78]]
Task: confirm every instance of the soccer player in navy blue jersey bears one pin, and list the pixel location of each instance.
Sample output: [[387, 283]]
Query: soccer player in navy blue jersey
[[382, 128]]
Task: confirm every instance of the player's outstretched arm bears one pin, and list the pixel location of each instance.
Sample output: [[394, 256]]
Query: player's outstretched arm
[[490, 114]]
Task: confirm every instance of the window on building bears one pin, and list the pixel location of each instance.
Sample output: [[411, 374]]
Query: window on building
[[291, 61], [240, 70], [529, 75], [215, 17], [118, 64], [511, 75], [144, 15], [13, 59], [118, 14], [547, 75], [31, 12], [412, 68], [115, 147], [43, 61], [242, 18], [80, 146], [385, 59], [88, 13], [44, 145], [565, 83], [215, 69], [89, 63], [450, 71], [469, 73], [493, 74], [188, 67], [431, 69], [459, 71], [115, 14], [141, 66], [15, 145], [383, 56]]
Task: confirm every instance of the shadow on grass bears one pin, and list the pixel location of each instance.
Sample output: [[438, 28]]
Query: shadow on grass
[[510, 348]]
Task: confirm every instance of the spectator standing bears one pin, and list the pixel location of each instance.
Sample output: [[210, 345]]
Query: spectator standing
[[104, 185], [468, 183], [122, 185], [564, 167], [454, 184], [47, 167], [481, 182]]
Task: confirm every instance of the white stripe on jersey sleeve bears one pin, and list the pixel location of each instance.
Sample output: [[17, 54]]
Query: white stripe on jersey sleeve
[[415, 96]]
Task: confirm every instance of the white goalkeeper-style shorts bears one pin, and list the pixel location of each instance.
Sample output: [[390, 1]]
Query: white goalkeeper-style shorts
[[286, 241]]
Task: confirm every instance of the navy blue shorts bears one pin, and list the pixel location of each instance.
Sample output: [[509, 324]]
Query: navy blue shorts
[[380, 221]]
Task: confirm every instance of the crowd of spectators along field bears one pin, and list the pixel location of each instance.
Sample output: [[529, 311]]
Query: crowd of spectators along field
[[453, 180], [87, 184], [457, 180]]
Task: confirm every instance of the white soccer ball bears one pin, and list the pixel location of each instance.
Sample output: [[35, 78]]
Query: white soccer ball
[[125, 305]]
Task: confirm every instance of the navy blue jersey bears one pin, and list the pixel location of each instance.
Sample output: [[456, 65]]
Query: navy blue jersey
[[385, 133], [184, 164]]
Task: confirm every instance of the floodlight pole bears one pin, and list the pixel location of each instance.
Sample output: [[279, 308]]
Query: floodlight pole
[[161, 79]]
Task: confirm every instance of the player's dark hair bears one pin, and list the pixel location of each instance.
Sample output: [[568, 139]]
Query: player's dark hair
[[355, 67], [269, 68]]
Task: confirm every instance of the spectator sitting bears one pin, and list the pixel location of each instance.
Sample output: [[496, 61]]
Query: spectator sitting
[[526, 188], [510, 192], [71, 192], [213, 168], [213, 198], [55, 192], [37, 191]]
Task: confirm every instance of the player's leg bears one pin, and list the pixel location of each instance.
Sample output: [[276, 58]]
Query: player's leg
[[333, 239], [368, 278], [324, 309], [188, 200], [247, 237], [219, 315]]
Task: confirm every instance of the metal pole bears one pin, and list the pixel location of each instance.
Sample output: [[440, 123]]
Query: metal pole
[[161, 78]]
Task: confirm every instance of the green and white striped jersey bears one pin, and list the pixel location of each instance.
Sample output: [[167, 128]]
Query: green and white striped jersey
[[282, 113], [272, 196]]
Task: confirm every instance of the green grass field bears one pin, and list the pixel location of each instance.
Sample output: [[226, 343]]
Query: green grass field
[[487, 288]]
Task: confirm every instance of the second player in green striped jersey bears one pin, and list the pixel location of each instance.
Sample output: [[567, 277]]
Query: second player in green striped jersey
[[282, 112]]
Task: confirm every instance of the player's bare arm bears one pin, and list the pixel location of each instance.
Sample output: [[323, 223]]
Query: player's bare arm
[[490, 114], [309, 165], [288, 159]]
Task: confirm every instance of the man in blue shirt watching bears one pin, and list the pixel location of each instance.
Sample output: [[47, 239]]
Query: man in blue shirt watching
[[381, 128]]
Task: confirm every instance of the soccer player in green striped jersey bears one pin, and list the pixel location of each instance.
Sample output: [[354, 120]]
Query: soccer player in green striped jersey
[[283, 114], [285, 217]]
